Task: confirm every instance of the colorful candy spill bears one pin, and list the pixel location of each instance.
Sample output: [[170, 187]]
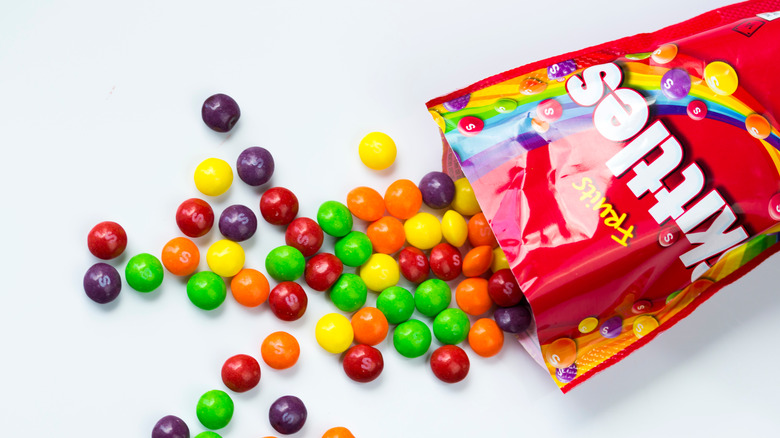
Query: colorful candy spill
[[285, 263], [206, 290], [240, 373], [451, 326], [465, 201], [412, 338], [280, 350], [446, 262], [180, 256], [472, 296], [437, 190], [353, 249], [413, 264], [255, 166], [379, 272], [485, 338], [403, 199], [305, 235], [349, 293], [386, 234], [249, 287], [334, 218], [334, 333], [225, 257], [365, 203], [396, 303], [515, 319], [432, 296], [278, 206], [144, 272], [363, 363], [322, 271], [288, 301], [195, 217], [237, 223], [450, 363]]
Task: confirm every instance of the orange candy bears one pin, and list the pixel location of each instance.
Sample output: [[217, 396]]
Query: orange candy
[[366, 203], [280, 350], [758, 126], [338, 432], [664, 54], [249, 287], [369, 325], [560, 353], [180, 256], [472, 296], [386, 235], [403, 199], [480, 232], [485, 338], [477, 261]]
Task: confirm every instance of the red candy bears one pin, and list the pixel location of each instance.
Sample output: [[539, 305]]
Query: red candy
[[470, 126], [363, 363], [450, 363], [549, 110], [697, 110], [446, 262], [413, 264], [503, 288], [322, 271], [107, 240], [288, 301], [305, 235], [278, 206], [241, 373], [195, 217]]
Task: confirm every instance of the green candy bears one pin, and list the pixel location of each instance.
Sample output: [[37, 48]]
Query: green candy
[[334, 218], [215, 409], [206, 290], [412, 338], [208, 434], [432, 296], [451, 326], [354, 249], [144, 272], [396, 303], [349, 292], [285, 263]]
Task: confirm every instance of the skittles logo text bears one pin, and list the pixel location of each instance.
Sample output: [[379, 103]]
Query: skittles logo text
[[620, 115]]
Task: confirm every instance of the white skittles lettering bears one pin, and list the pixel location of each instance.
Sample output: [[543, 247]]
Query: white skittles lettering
[[365, 364], [104, 281], [668, 83], [470, 127], [551, 111], [243, 219], [198, 218], [185, 256], [291, 300], [111, 237]]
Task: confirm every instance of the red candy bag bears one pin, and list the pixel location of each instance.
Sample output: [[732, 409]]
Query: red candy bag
[[628, 182]]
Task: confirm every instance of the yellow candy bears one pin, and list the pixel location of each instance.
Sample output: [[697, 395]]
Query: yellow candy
[[454, 228], [334, 333], [380, 272], [758, 126], [465, 202], [721, 78], [589, 324], [644, 324], [377, 150], [213, 177], [423, 231], [225, 258], [499, 260]]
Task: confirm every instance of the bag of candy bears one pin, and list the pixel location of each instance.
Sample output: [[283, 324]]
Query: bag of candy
[[627, 182]]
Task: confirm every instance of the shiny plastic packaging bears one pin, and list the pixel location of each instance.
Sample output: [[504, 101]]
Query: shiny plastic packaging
[[628, 182]]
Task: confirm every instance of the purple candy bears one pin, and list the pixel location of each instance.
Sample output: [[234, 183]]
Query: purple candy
[[513, 319], [561, 69], [220, 112], [566, 375], [237, 223], [437, 189], [676, 84], [287, 414], [255, 166], [611, 327], [170, 426], [458, 103], [102, 283]]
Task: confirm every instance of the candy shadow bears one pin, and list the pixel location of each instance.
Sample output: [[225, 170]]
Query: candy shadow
[[108, 307], [148, 296]]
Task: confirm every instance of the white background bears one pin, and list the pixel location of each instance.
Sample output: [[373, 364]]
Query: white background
[[100, 120]]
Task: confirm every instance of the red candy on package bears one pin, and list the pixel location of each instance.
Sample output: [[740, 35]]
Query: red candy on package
[[628, 182]]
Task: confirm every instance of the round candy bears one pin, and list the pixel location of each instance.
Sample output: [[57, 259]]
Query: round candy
[[280, 350], [566, 375], [504, 106], [215, 409], [285, 263], [560, 353], [278, 206], [485, 338], [366, 203], [338, 432], [287, 414], [458, 103], [396, 303], [588, 324], [180, 256], [195, 217], [387, 235], [515, 319], [208, 434], [532, 85], [472, 296], [334, 333], [220, 112], [470, 126], [499, 260], [102, 283], [774, 207], [477, 261], [540, 126], [641, 306], [377, 151], [334, 218], [664, 54], [432, 296], [413, 264], [758, 126], [561, 69], [721, 78], [304, 235], [241, 373], [644, 324], [403, 199], [213, 176], [369, 325], [255, 166], [503, 289], [349, 293], [465, 202], [107, 240], [380, 272], [676, 84], [697, 110], [225, 257], [249, 287], [353, 249], [170, 426], [454, 228], [612, 327], [288, 301], [322, 271], [450, 363], [451, 326], [445, 261], [423, 231], [412, 338], [206, 290], [549, 110], [144, 272], [237, 223], [479, 231], [363, 363], [668, 235], [437, 189]]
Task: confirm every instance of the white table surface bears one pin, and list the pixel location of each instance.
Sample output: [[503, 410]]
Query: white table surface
[[100, 120]]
